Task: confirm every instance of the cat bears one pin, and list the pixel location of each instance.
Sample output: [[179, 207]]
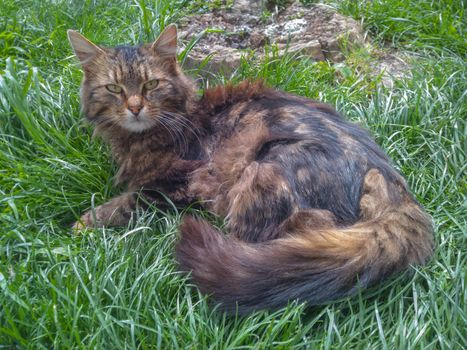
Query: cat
[[313, 207]]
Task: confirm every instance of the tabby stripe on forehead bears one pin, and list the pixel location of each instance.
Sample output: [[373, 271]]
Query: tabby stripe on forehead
[[119, 72], [130, 74], [145, 72]]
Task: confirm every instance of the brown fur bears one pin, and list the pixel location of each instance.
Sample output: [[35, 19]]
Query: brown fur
[[221, 96], [313, 208], [314, 260]]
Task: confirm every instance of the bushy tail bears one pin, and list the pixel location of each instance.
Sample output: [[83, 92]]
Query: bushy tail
[[314, 265]]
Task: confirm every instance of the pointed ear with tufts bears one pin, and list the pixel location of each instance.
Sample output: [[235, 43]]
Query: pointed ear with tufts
[[166, 43], [84, 49]]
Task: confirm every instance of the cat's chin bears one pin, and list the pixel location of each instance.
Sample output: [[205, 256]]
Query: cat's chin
[[137, 125]]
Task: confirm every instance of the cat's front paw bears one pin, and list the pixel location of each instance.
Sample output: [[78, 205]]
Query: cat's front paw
[[116, 212]]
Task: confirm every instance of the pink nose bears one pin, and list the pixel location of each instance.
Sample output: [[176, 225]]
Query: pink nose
[[135, 109], [135, 104]]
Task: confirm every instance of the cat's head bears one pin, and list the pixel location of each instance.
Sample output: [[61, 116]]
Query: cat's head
[[133, 87]]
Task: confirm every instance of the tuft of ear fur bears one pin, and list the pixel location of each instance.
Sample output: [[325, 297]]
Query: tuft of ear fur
[[166, 43], [84, 49]]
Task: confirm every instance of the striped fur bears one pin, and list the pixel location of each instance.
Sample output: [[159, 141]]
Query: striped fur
[[314, 264]]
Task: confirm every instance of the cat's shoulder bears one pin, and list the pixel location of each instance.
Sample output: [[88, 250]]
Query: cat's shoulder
[[221, 97]]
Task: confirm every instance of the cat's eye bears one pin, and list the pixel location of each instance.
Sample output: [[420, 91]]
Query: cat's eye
[[151, 84], [114, 88]]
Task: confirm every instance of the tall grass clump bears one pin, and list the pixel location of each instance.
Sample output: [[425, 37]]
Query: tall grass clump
[[417, 24]]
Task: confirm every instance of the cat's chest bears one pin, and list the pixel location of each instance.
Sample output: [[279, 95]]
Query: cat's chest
[[137, 160]]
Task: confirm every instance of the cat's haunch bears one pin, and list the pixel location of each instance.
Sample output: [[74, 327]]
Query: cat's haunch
[[313, 208]]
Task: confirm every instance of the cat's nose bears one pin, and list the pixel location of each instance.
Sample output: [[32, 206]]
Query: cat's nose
[[135, 104], [135, 109]]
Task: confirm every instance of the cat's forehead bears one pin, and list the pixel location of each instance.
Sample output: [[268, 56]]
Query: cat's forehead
[[131, 55], [133, 64]]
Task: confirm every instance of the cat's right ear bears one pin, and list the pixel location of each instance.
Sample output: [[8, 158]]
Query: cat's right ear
[[84, 49], [166, 44]]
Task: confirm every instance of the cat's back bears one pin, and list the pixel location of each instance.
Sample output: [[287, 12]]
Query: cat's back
[[251, 106], [323, 157]]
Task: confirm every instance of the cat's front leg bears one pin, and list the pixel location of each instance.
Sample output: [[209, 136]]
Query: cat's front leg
[[116, 212]]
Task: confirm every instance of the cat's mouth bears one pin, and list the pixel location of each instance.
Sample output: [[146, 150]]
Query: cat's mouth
[[137, 123]]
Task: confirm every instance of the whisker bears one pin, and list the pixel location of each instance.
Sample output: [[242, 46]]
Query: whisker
[[172, 136], [176, 133], [182, 135], [185, 123], [184, 120], [176, 126]]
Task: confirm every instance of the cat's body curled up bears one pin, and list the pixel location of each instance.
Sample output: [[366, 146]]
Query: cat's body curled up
[[313, 208]]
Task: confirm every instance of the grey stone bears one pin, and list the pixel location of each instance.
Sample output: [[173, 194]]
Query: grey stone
[[317, 31]]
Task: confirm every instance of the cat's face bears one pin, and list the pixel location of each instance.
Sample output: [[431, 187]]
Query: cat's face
[[135, 88]]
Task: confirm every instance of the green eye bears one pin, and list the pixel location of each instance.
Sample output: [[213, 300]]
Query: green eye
[[114, 88], [151, 84]]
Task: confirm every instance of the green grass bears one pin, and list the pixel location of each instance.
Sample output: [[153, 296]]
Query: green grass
[[119, 288], [418, 24]]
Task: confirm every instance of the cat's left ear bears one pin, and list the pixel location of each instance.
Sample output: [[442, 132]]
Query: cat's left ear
[[166, 43]]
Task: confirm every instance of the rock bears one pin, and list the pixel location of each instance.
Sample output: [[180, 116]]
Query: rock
[[249, 7], [311, 48], [257, 40], [317, 31], [392, 65]]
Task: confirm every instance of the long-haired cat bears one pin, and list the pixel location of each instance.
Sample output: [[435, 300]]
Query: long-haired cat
[[313, 208]]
